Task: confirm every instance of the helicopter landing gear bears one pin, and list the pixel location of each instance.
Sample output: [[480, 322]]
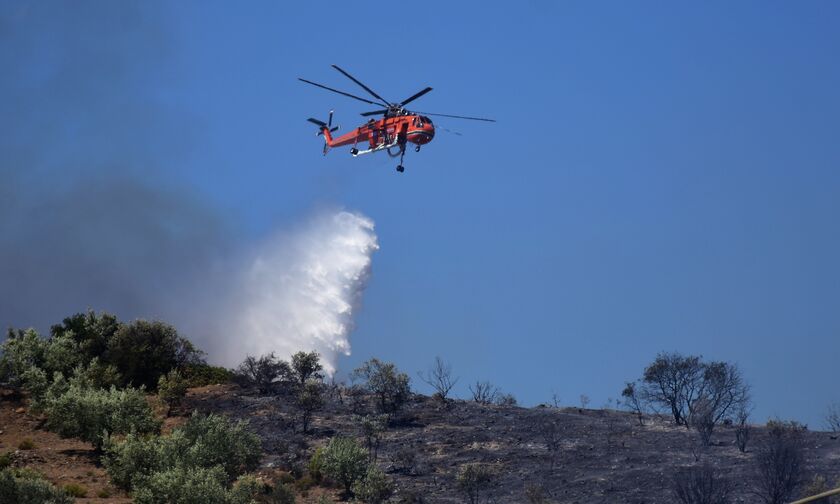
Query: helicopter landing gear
[[417, 149], [354, 151], [400, 167]]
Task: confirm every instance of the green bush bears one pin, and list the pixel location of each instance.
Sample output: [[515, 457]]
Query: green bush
[[194, 485], [75, 490], [91, 414], [281, 494], [144, 351], [374, 488], [91, 332], [316, 464], [172, 388], [345, 462], [201, 374], [28, 487], [5, 460], [204, 441], [389, 385], [305, 367], [26, 444], [22, 351]]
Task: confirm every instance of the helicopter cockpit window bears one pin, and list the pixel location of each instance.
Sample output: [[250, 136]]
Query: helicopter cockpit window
[[426, 120]]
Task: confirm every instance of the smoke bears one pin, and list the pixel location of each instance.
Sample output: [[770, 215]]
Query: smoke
[[299, 292], [92, 214]]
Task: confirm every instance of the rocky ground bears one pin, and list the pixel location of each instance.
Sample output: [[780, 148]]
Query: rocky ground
[[601, 456]]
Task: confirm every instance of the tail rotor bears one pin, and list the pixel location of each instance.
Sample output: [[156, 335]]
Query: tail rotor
[[325, 128]]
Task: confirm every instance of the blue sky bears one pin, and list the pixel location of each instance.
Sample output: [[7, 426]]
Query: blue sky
[[662, 176]]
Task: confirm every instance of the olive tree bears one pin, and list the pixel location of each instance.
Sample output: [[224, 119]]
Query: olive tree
[[390, 386]]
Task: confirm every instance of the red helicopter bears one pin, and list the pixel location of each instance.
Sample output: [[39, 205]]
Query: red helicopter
[[394, 130]]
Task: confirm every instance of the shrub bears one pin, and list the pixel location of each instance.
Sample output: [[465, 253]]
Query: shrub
[[374, 488], [263, 372], [75, 490], [143, 351], [91, 332], [345, 462], [701, 485], [187, 485], [506, 400], [28, 487], [22, 351], [282, 493], [387, 383], [484, 392], [316, 464], [89, 414], [305, 367], [309, 399], [204, 441], [202, 374], [780, 462], [172, 388], [474, 479], [213, 439], [5, 460], [26, 444], [372, 427], [62, 355]]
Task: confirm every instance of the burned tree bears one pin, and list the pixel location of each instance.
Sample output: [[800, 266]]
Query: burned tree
[[780, 463], [439, 377], [484, 392], [633, 401], [701, 485], [680, 384]]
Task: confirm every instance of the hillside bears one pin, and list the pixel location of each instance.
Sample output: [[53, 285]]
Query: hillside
[[603, 455]]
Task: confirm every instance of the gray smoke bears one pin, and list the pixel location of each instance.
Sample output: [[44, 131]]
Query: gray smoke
[[86, 217], [92, 217]]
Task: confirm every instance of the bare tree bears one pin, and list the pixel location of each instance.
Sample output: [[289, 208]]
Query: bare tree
[[549, 431], [634, 402], [702, 420], [584, 401], [832, 418], [484, 392], [263, 372], [672, 380], [555, 400], [780, 463], [742, 428], [701, 485], [439, 377], [678, 383]]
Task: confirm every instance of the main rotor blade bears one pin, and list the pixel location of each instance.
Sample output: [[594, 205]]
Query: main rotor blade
[[455, 116], [374, 112], [369, 90], [339, 92], [317, 122], [415, 96]]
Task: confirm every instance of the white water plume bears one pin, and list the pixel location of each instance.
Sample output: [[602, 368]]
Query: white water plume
[[299, 292]]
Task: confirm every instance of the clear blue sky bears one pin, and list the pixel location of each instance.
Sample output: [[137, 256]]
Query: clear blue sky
[[662, 177]]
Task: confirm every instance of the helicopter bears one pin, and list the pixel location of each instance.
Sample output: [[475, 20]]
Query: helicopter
[[394, 130]]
